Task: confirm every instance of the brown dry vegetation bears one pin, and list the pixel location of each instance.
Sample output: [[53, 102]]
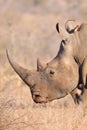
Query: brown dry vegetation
[[27, 29]]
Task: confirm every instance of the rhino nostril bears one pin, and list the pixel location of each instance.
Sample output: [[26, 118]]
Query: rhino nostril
[[37, 95]]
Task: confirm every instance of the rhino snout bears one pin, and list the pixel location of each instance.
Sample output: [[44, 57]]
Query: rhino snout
[[38, 98]]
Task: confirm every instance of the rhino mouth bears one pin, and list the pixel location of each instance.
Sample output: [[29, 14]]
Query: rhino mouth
[[39, 98]]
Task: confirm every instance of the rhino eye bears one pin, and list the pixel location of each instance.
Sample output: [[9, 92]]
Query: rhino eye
[[52, 72]]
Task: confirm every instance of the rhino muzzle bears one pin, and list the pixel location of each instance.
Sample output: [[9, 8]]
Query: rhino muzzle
[[38, 98]]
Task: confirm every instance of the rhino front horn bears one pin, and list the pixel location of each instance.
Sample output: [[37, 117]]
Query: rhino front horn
[[22, 72]]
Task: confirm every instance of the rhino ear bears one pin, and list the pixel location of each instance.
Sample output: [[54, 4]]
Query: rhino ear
[[60, 32], [57, 28], [71, 26], [41, 64]]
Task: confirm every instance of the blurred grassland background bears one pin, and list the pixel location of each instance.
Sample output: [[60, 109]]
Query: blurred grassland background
[[27, 30]]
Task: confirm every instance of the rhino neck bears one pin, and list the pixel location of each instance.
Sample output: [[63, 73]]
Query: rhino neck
[[79, 46]]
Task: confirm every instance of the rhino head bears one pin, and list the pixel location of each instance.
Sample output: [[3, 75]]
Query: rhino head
[[52, 80]]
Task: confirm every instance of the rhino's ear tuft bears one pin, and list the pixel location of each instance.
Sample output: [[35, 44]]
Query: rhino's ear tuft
[[41, 65]]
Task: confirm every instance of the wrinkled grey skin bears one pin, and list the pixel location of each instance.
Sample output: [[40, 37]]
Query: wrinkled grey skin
[[63, 74]]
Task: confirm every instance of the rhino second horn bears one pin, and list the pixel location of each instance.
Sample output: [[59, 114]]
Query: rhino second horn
[[41, 65], [22, 72]]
